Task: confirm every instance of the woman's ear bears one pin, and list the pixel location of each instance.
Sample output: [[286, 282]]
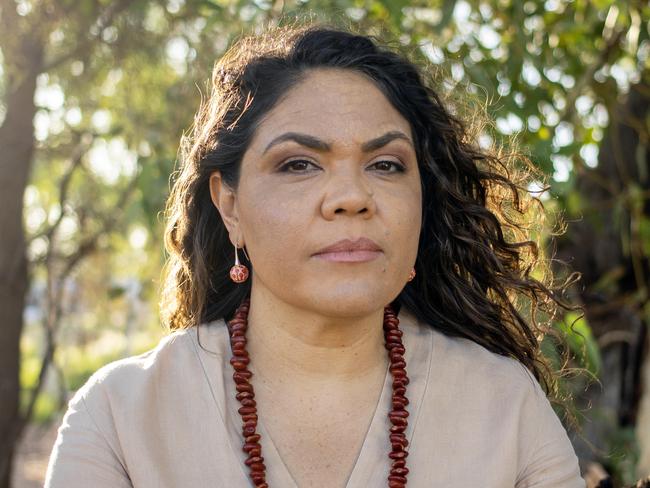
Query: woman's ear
[[225, 199]]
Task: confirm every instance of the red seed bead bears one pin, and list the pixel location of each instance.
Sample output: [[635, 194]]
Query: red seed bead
[[237, 364], [400, 413], [240, 359], [252, 449], [399, 364], [240, 376], [398, 455], [400, 471], [399, 404], [248, 402], [398, 421], [396, 437], [241, 387], [258, 477], [244, 394], [400, 375], [399, 443], [254, 459], [237, 325]]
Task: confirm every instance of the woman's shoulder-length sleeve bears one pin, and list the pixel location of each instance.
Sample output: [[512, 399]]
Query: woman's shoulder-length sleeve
[[547, 458], [86, 451]]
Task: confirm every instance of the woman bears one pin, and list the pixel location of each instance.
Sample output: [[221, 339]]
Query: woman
[[365, 334]]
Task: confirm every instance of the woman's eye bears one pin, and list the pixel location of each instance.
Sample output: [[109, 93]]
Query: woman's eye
[[387, 165], [302, 166], [296, 166]]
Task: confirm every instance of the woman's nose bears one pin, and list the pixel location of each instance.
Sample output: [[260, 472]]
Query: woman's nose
[[348, 193]]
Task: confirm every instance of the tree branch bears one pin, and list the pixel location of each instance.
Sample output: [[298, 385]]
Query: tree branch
[[75, 162]]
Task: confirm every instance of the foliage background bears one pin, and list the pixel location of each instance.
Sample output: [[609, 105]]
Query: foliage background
[[117, 82]]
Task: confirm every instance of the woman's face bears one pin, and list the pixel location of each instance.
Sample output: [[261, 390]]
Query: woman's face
[[333, 160]]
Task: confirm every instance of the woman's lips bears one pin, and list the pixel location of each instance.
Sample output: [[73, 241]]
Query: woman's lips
[[349, 256], [349, 251]]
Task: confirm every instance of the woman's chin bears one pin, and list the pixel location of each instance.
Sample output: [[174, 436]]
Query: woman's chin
[[347, 303], [335, 294]]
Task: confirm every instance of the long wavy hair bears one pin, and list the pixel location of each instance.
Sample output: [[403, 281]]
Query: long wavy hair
[[481, 274]]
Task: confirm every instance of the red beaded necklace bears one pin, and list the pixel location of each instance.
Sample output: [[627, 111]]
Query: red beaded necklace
[[248, 411]]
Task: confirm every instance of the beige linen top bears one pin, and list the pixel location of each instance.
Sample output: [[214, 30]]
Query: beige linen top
[[168, 418]]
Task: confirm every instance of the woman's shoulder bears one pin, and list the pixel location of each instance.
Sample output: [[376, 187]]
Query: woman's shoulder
[[128, 379], [471, 353], [464, 364], [498, 399], [118, 411]]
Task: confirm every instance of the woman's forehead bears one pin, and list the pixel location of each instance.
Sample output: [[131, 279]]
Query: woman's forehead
[[335, 105]]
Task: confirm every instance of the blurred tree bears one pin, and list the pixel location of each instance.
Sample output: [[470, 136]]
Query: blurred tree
[[16, 141], [85, 142], [94, 95], [570, 80]]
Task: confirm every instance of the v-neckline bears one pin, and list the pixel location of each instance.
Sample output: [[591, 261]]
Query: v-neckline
[[372, 465], [273, 454]]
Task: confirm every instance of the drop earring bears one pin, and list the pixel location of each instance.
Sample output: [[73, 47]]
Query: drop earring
[[412, 274], [239, 272]]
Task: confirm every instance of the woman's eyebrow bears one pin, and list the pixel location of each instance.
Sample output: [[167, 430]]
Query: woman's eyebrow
[[320, 145]]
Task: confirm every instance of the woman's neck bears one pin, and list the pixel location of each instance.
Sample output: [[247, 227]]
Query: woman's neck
[[288, 342]]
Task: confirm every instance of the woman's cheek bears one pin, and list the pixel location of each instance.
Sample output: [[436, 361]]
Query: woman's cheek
[[275, 235]]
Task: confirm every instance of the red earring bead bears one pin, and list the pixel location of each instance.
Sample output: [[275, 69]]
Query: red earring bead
[[239, 272], [412, 274]]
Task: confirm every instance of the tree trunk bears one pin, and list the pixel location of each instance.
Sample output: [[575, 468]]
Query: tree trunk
[[16, 150]]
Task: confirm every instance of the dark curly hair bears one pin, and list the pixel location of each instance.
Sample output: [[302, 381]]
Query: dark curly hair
[[480, 273]]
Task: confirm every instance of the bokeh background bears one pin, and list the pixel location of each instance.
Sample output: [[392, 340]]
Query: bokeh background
[[95, 95]]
